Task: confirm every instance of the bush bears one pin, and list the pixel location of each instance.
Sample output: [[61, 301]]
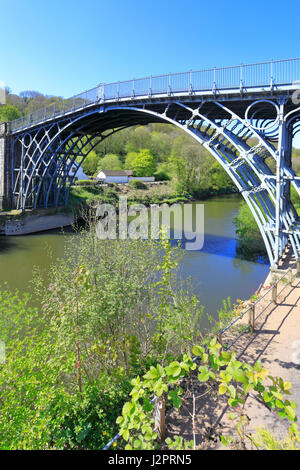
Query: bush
[[137, 184], [161, 176], [91, 422]]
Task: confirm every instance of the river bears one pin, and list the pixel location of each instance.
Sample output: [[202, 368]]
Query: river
[[215, 271]]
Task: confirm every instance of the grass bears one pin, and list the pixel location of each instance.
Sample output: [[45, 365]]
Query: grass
[[83, 196]]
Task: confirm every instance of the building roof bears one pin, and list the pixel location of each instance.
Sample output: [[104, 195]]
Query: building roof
[[117, 172]]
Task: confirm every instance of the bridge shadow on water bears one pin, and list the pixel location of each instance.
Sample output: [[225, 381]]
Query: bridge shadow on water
[[7, 244]]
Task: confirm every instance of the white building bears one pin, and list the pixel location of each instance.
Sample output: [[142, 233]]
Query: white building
[[121, 176], [80, 175]]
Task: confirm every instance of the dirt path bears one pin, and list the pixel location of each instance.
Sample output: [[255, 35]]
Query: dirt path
[[276, 342]]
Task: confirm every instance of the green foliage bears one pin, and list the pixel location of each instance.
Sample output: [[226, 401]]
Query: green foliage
[[179, 443], [161, 176], [142, 163], [109, 162], [265, 440], [89, 422], [90, 163], [140, 138], [137, 184], [295, 198], [250, 241], [29, 101], [109, 311], [195, 171], [235, 379], [9, 113], [130, 157]]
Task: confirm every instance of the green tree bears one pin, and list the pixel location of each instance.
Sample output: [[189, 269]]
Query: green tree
[[130, 157], [9, 113], [143, 164], [140, 138], [161, 146], [90, 163], [110, 162]]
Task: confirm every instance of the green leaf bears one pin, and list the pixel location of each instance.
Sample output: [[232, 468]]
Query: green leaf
[[226, 440], [290, 412], [232, 391], [239, 375], [203, 377], [222, 389], [175, 398], [152, 373], [286, 386], [174, 369], [267, 397], [233, 402], [127, 408], [198, 350]]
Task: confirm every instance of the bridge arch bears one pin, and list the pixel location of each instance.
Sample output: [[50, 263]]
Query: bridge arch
[[241, 179], [225, 138]]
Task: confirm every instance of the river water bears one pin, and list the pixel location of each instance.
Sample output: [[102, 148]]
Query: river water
[[215, 271]]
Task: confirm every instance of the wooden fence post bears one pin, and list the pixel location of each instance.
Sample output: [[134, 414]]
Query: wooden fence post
[[252, 317], [290, 276], [274, 293], [160, 417], [298, 267]]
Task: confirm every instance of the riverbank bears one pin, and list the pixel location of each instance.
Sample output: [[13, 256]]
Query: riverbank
[[33, 221], [82, 196]]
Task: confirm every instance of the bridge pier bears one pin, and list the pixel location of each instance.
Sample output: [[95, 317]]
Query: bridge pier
[[5, 168]]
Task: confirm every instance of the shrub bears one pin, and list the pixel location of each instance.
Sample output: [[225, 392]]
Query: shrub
[[137, 184], [161, 176]]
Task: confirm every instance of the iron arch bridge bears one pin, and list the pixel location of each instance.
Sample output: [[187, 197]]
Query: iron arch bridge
[[246, 116]]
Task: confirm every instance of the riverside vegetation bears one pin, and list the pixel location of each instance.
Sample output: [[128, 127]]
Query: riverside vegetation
[[111, 321], [102, 319]]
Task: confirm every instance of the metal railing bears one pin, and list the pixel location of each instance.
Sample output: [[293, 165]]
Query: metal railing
[[264, 74], [252, 318]]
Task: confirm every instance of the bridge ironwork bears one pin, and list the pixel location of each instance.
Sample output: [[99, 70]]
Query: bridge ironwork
[[246, 116]]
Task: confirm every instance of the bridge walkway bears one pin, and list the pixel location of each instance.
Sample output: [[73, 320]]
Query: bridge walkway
[[276, 342]]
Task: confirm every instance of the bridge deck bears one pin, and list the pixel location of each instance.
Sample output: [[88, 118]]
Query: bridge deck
[[238, 83]]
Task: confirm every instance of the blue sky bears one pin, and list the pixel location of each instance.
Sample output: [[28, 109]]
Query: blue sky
[[62, 47]]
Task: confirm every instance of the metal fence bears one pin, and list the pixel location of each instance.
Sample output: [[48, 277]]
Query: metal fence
[[264, 74], [251, 311]]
